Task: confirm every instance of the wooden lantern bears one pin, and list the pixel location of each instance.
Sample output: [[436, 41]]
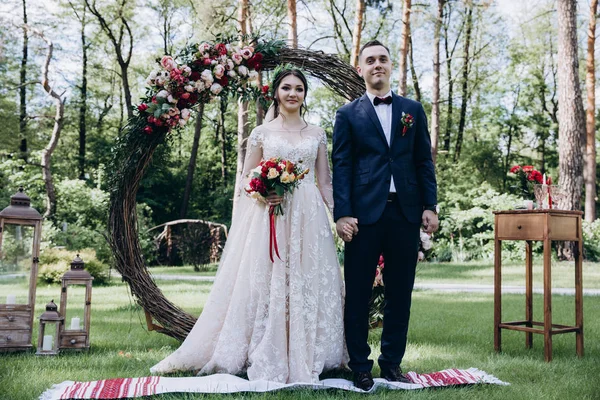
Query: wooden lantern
[[16, 319], [75, 334], [50, 323]]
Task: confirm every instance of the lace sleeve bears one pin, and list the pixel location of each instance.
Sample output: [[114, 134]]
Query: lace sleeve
[[254, 155], [323, 173]]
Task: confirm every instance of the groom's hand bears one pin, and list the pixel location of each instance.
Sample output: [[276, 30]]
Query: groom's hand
[[346, 228], [430, 221]]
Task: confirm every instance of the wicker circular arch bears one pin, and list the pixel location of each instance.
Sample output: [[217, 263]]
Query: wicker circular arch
[[132, 156]]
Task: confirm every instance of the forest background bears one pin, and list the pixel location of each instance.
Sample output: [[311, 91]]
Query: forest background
[[490, 75]]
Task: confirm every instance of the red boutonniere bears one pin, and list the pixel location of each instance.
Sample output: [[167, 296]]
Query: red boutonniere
[[407, 121]]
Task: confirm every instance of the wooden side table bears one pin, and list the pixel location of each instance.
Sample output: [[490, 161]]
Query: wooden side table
[[546, 226]]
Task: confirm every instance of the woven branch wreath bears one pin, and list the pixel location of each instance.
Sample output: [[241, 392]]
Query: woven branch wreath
[[179, 85]]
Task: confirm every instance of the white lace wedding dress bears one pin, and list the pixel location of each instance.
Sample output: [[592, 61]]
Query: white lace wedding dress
[[279, 321]]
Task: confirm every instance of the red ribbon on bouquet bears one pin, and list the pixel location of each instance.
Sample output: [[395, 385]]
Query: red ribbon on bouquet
[[272, 234]]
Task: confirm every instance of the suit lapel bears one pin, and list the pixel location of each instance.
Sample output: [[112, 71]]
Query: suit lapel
[[396, 115], [370, 110]]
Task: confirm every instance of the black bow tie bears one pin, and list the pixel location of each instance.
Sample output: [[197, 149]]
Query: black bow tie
[[386, 100]]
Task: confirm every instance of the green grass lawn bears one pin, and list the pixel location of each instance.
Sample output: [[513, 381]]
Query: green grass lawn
[[476, 273], [448, 330]]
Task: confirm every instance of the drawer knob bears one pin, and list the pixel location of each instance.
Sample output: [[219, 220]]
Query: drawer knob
[[73, 341], [8, 338], [519, 226], [10, 318]]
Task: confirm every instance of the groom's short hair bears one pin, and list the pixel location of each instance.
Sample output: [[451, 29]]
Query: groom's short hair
[[371, 44]]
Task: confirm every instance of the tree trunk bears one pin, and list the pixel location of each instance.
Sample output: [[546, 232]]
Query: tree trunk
[[404, 43], [117, 40], [465, 83], [58, 123], [413, 72], [570, 115], [293, 30], [23, 90], [192, 165], [435, 101], [358, 23], [126, 90], [83, 106], [590, 148], [223, 140], [242, 127], [449, 107]]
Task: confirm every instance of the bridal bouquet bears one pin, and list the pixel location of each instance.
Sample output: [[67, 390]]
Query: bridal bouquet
[[274, 175]]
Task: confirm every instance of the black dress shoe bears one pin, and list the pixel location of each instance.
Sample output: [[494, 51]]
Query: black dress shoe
[[394, 375], [363, 380]]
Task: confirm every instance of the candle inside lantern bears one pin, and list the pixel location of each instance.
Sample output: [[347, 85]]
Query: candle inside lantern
[[47, 343], [75, 323], [11, 299]]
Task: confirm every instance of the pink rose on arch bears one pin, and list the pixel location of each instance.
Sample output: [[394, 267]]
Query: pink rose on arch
[[219, 70], [229, 66], [246, 53], [173, 111], [185, 114], [168, 63], [237, 58], [204, 47]]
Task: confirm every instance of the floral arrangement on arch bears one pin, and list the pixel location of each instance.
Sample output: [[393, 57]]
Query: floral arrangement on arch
[[201, 72]]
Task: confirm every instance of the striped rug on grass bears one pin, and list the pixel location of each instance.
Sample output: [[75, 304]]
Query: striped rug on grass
[[121, 388]]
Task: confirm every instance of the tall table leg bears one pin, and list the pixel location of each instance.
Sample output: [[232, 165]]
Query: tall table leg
[[579, 294], [528, 293], [547, 301], [497, 293]]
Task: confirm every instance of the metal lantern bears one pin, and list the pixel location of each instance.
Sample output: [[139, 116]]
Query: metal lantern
[[75, 334], [19, 223], [50, 323]]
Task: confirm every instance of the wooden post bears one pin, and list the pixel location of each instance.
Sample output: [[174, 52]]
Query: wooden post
[[547, 294], [497, 289], [579, 292], [528, 293]]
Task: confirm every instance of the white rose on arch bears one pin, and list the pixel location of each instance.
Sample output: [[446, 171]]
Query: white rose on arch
[[163, 94], [243, 70], [199, 85], [216, 89], [207, 77], [185, 114], [219, 70], [231, 74]]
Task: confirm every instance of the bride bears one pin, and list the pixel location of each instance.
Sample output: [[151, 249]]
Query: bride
[[278, 321]]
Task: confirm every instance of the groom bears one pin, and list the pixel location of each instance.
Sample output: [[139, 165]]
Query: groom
[[384, 188]]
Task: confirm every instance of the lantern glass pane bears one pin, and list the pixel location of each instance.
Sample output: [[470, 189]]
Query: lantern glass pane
[[75, 307], [15, 262]]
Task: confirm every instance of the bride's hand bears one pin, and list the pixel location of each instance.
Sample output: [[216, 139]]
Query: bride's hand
[[273, 199]]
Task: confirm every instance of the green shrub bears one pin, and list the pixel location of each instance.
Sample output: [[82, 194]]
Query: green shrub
[[591, 240], [54, 262]]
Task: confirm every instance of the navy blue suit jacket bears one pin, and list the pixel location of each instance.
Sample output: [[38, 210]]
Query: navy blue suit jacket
[[363, 162]]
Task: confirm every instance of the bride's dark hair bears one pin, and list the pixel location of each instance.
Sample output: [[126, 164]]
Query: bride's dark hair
[[279, 76]]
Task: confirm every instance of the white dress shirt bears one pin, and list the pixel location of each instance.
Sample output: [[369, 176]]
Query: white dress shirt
[[384, 113]]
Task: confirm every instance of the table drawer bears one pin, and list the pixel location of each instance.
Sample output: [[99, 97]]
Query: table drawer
[[520, 227], [9, 338], [72, 341], [15, 320]]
